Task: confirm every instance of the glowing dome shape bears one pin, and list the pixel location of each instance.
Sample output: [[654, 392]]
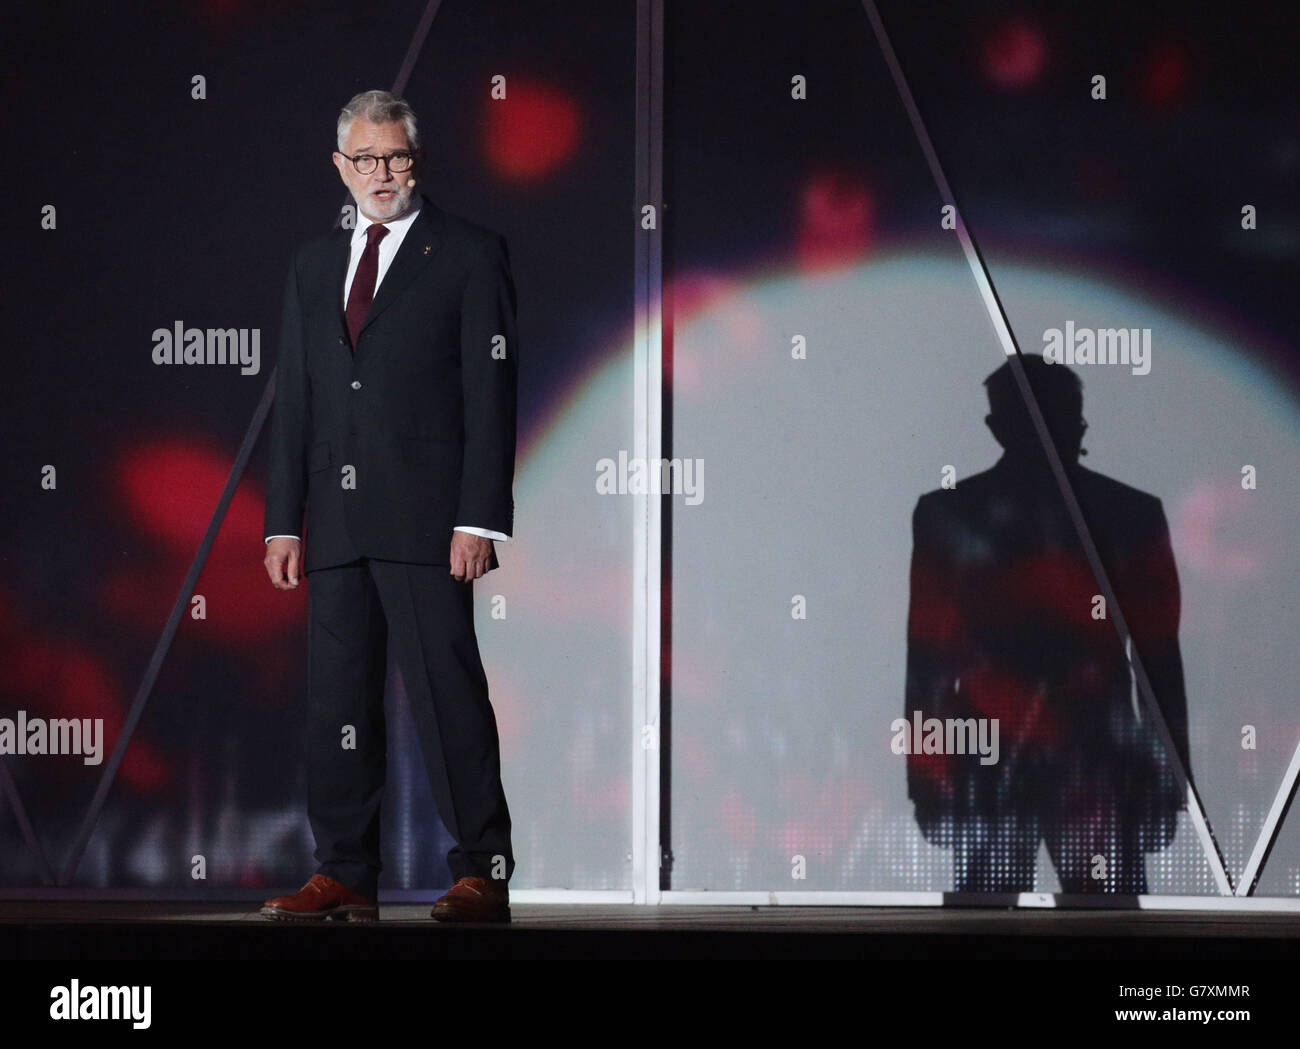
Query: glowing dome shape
[[780, 728]]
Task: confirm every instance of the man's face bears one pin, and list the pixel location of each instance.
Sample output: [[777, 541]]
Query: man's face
[[382, 195]]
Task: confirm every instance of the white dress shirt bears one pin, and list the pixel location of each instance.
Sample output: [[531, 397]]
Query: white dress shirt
[[388, 246]]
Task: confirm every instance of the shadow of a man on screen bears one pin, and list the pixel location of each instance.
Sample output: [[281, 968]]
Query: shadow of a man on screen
[[1008, 636]]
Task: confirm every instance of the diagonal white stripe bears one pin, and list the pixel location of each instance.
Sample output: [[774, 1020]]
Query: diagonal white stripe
[[998, 319]]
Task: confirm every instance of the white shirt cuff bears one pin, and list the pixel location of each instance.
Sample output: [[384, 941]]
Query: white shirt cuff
[[484, 532]]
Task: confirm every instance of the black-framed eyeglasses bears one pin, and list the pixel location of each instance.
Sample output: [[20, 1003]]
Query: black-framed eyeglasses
[[365, 163]]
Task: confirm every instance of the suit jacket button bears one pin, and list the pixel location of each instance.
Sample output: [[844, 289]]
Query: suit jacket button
[[356, 384]]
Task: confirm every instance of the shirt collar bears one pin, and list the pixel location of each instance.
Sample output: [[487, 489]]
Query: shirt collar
[[394, 226]]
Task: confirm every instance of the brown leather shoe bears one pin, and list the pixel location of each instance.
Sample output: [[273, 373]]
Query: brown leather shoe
[[322, 897], [474, 899]]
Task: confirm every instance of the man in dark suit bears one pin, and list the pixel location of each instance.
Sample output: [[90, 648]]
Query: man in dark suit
[[1005, 623], [394, 424]]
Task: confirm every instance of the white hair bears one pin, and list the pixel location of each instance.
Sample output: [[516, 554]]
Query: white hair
[[378, 107]]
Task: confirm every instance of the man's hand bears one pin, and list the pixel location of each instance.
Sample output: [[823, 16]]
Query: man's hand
[[470, 556], [283, 558]]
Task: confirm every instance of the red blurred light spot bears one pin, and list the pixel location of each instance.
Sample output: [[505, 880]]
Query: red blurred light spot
[[1167, 76], [55, 677], [170, 490], [1014, 53], [172, 487], [836, 220], [531, 132]]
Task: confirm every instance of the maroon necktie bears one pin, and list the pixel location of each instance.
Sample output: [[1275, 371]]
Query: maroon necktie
[[363, 281]]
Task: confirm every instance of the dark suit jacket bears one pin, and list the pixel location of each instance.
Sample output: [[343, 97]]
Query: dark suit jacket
[[423, 410]]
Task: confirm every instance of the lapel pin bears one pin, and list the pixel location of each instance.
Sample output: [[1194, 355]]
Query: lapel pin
[[428, 248]]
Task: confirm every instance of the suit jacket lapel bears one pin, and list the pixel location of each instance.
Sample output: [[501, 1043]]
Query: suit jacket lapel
[[337, 274], [418, 247]]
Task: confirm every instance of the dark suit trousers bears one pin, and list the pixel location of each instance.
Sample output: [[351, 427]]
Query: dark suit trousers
[[352, 609]]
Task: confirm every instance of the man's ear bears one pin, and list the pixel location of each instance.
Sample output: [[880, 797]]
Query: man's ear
[[339, 161]]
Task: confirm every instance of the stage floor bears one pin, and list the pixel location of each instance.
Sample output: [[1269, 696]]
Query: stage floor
[[32, 929]]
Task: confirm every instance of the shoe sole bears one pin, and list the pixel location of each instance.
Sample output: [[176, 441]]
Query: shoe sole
[[346, 913], [459, 916]]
